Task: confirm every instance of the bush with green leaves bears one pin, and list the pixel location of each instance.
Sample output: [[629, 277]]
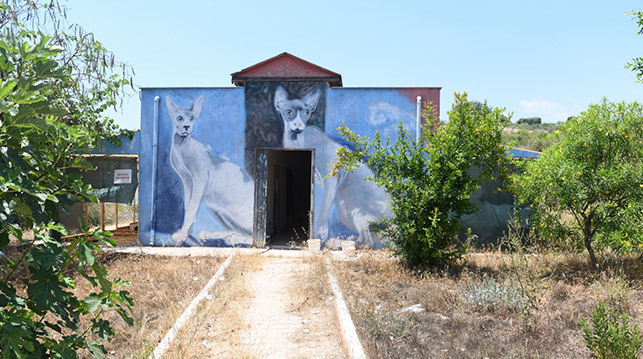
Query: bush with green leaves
[[610, 336], [588, 187], [429, 180], [50, 112]]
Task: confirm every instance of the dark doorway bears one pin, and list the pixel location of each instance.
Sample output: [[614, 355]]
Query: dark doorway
[[288, 197]]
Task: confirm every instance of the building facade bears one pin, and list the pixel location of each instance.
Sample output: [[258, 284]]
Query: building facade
[[248, 165]]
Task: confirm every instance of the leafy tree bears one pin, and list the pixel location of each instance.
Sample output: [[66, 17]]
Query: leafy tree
[[50, 111], [97, 81], [637, 63], [593, 175], [429, 181]]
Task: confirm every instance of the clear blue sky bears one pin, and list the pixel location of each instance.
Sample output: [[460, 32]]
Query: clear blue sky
[[538, 58]]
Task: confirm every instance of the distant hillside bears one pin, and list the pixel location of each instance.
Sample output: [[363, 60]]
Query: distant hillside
[[535, 137]]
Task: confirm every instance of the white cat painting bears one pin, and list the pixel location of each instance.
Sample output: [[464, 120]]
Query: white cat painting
[[357, 201], [222, 186]]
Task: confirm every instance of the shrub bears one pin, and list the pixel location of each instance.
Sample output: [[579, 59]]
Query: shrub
[[429, 180], [491, 294], [610, 336]]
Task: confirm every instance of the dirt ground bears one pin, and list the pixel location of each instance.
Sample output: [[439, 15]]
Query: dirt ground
[[478, 308], [490, 305], [162, 287]]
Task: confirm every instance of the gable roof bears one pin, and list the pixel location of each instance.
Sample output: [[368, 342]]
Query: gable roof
[[286, 67]]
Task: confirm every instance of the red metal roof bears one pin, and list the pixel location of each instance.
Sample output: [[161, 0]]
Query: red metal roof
[[286, 67]]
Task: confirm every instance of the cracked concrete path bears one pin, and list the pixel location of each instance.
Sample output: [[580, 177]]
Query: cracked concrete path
[[278, 327]]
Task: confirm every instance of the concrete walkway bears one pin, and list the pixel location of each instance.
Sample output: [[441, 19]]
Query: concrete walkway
[[274, 328], [275, 321]]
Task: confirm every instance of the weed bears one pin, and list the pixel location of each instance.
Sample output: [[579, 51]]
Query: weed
[[519, 269], [388, 325], [143, 352], [296, 241], [214, 329], [610, 336], [449, 299], [162, 287]]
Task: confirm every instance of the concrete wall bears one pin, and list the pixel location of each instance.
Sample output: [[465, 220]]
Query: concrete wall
[[220, 125], [205, 167]]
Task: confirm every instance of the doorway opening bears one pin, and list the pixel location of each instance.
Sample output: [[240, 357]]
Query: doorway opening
[[289, 197]]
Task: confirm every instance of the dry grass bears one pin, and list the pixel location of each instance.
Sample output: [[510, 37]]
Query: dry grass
[[563, 288], [214, 329], [162, 287]]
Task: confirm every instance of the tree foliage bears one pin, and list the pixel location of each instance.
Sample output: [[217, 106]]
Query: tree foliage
[[593, 176], [484, 107], [50, 111], [97, 81], [637, 63], [429, 181]]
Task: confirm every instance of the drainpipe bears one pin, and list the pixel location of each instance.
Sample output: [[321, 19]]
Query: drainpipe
[[418, 119], [155, 145]]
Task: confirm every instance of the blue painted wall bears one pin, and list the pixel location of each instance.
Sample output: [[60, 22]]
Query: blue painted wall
[[219, 126], [205, 133]]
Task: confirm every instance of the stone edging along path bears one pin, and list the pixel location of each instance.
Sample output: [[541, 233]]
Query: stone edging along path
[[349, 336], [171, 334]]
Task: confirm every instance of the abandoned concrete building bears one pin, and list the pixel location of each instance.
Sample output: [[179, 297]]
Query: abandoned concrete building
[[247, 165]]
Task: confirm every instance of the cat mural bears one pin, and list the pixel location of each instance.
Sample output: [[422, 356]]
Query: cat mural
[[357, 201], [219, 184]]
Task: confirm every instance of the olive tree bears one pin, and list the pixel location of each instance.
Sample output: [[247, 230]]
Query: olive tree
[[593, 175], [429, 181]]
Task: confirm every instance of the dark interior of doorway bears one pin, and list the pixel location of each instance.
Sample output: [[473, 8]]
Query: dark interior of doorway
[[288, 202]]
